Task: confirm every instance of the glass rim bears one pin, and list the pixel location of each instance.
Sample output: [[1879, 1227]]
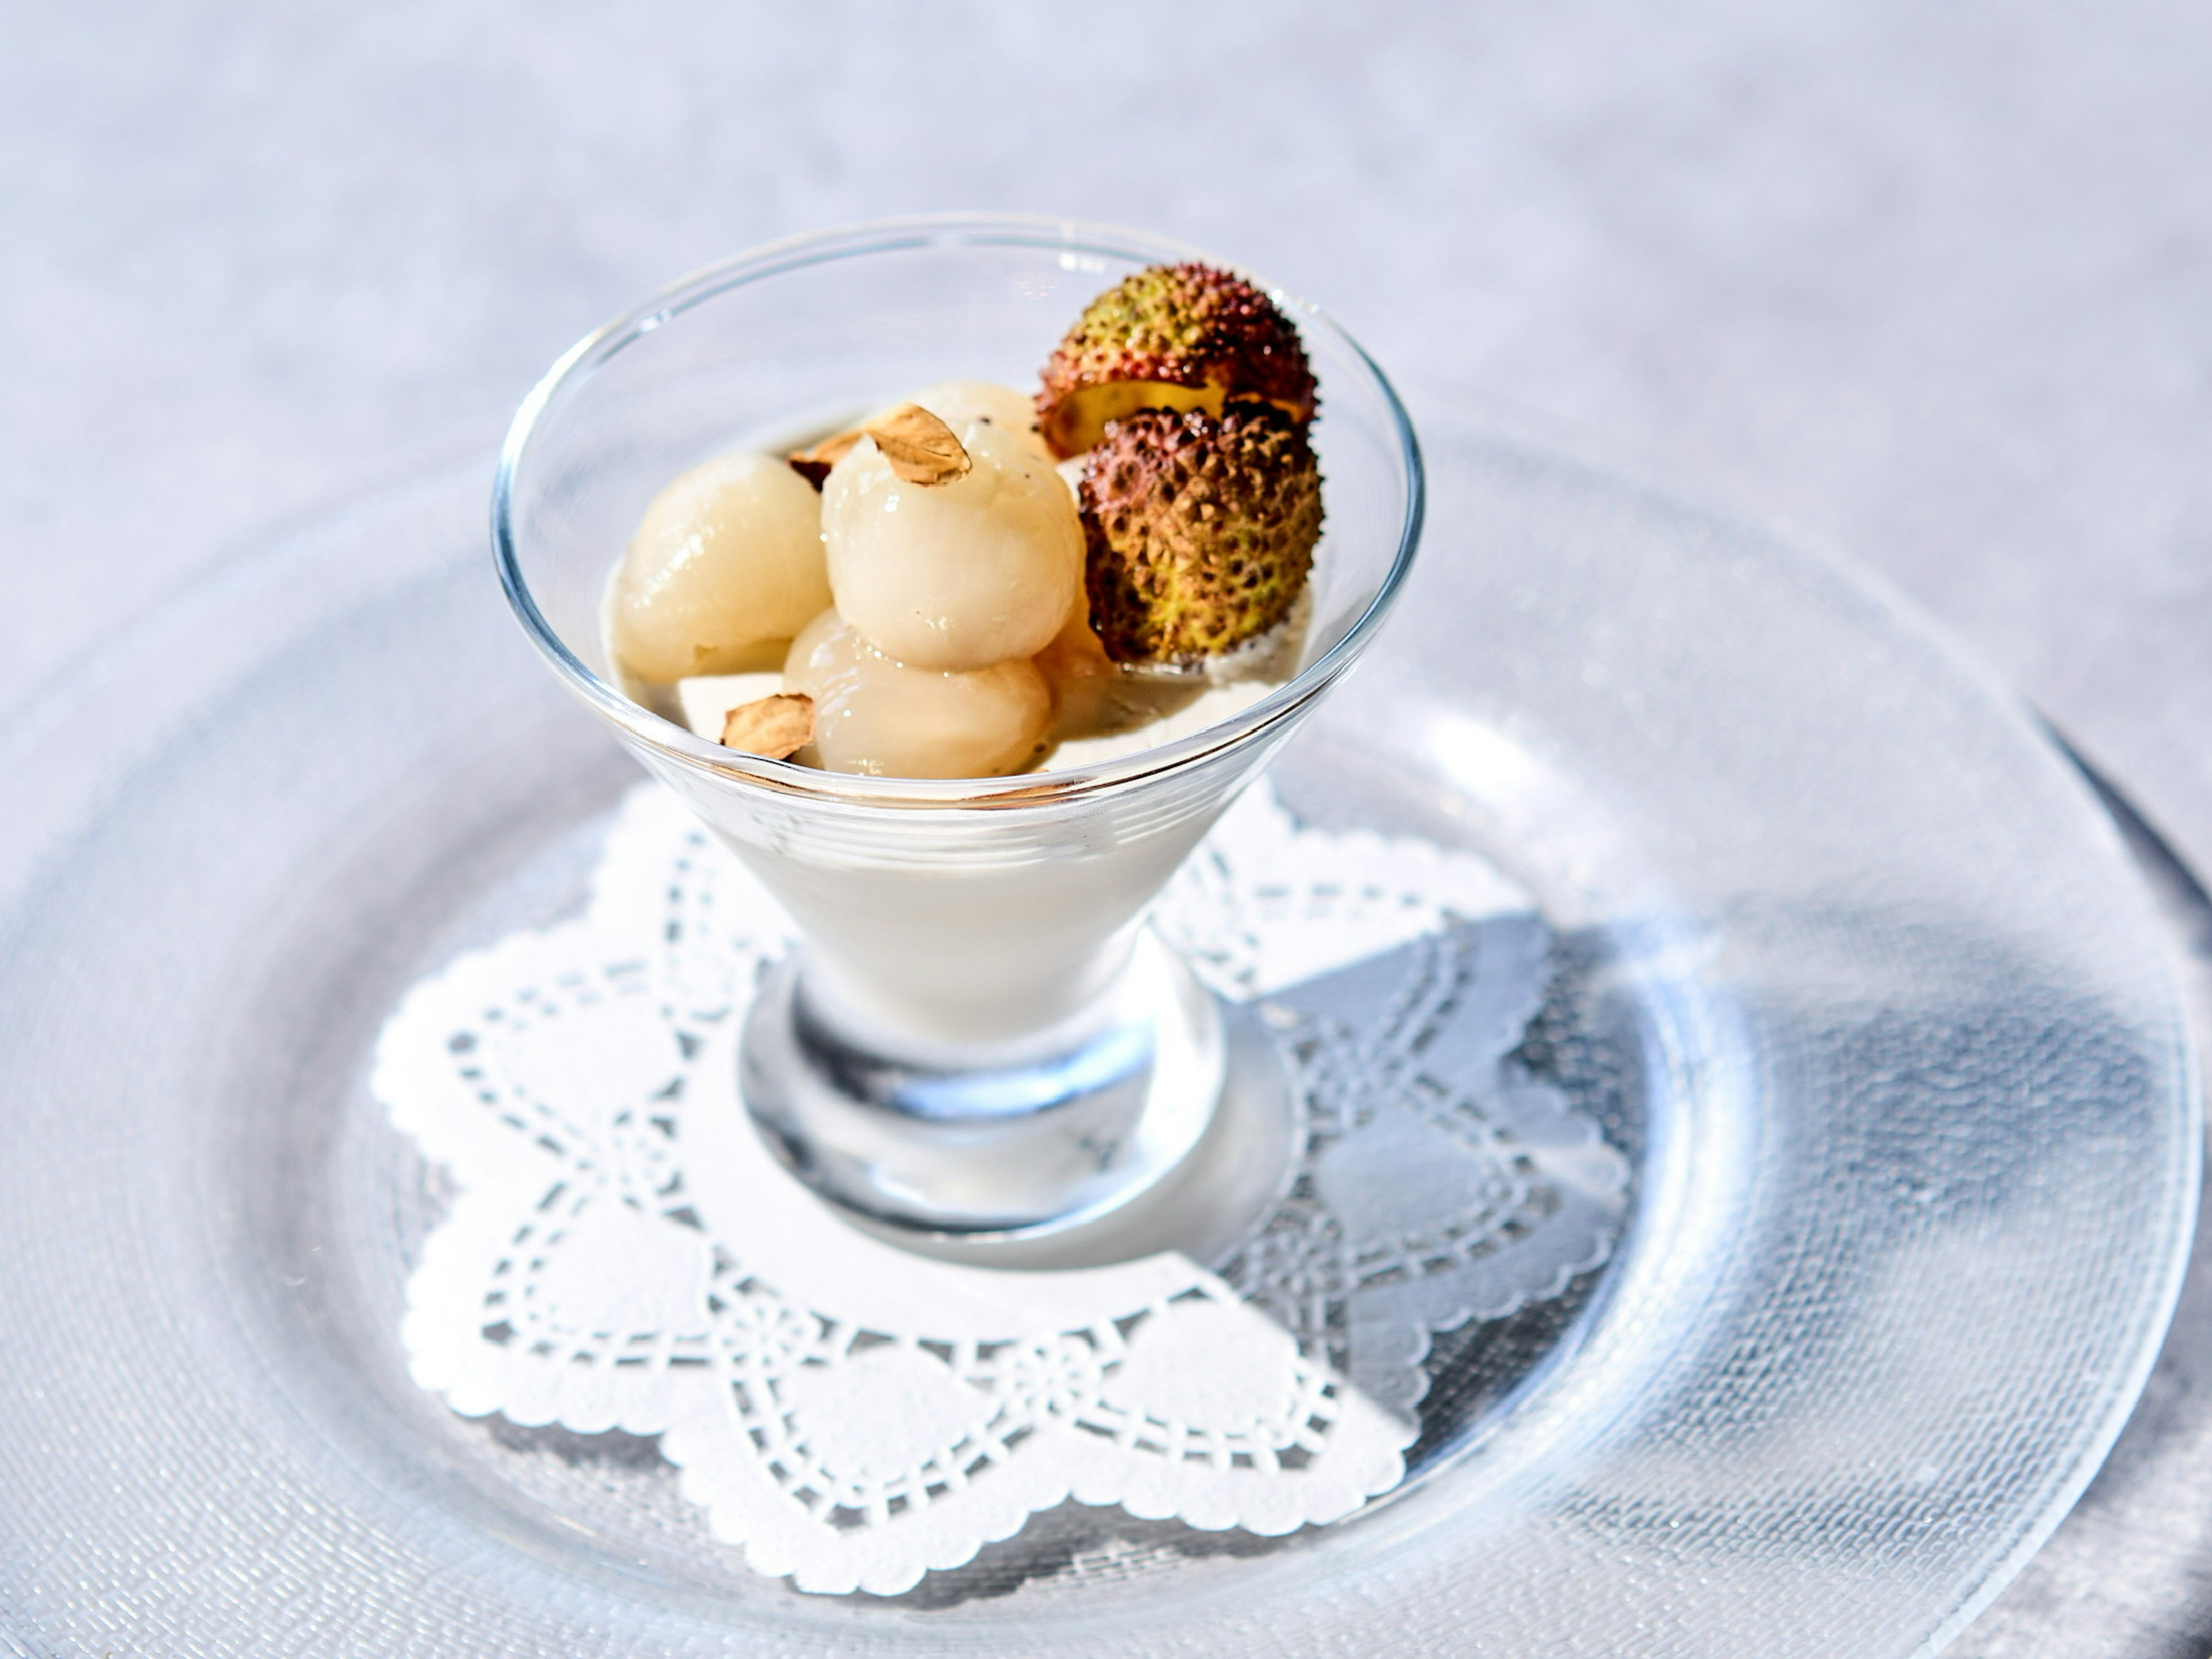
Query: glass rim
[[1020, 789]]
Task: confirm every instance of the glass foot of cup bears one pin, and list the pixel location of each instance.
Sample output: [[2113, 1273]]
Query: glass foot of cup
[[1012, 1147]]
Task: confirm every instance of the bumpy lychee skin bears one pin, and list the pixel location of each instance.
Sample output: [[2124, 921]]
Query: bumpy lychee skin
[[1199, 532], [1172, 336]]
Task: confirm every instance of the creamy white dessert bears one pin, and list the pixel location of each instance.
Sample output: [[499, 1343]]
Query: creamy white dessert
[[1007, 585]]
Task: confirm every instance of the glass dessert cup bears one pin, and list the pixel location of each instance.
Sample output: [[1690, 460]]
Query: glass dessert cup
[[977, 1036]]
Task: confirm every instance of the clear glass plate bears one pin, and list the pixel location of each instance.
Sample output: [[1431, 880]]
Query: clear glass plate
[[1855, 969]]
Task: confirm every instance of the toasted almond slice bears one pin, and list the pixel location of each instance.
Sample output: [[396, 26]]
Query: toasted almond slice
[[920, 448], [774, 727], [813, 463]]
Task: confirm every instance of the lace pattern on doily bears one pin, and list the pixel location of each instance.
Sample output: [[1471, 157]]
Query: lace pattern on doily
[[624, 1254]]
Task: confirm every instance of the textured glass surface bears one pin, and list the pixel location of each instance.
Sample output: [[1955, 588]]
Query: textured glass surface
[[1855, 970]]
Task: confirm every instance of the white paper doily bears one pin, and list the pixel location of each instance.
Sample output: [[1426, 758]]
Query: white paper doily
[[622, 1253]]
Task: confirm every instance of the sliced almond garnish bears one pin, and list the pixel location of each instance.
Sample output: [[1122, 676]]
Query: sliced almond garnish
[[813, 463], [920, 448], [774, 728]]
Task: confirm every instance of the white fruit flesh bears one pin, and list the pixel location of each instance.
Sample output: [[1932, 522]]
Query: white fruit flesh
[[956, 576], [727, 558], [875, 716], [956, 403]]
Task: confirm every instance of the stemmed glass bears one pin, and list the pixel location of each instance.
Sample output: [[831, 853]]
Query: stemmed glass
[[977, 1035]]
